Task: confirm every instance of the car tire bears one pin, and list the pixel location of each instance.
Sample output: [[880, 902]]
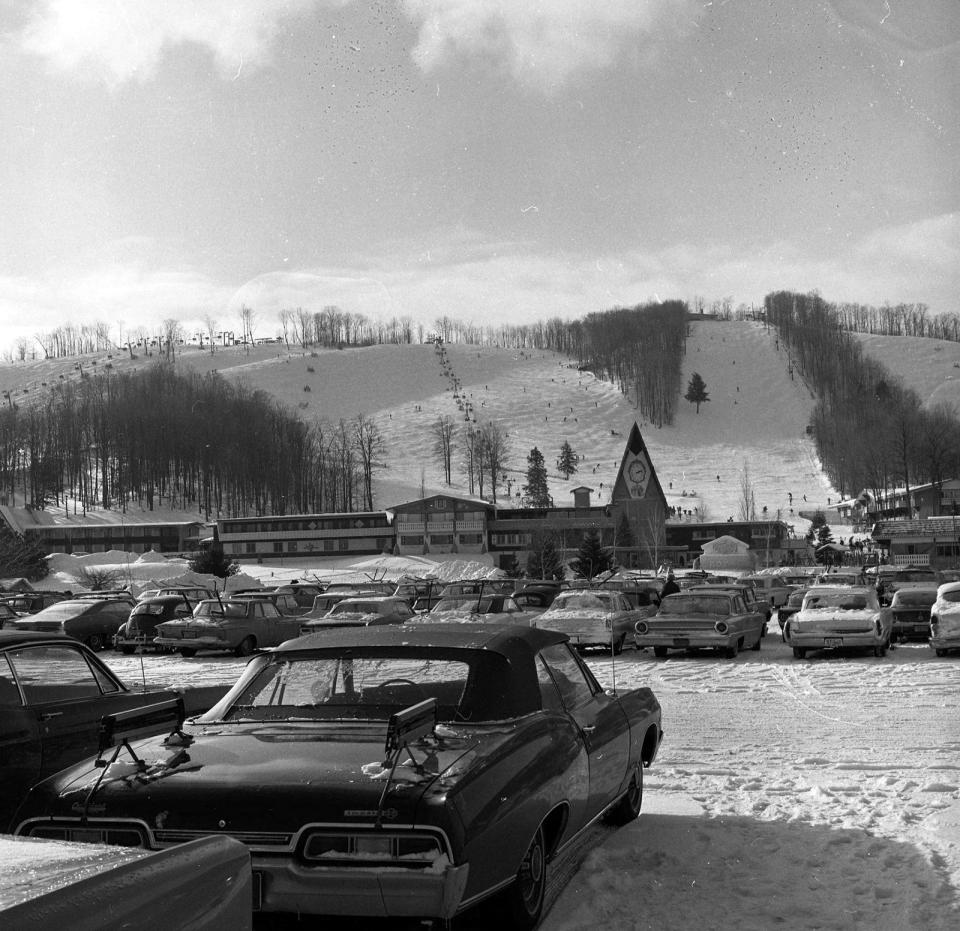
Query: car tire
[[95, 642], [126, 649], [627, 809], [799, 652], [618, 646], [188, 652], [523, 899], [940, 652], [245, 647], [758, 644], [660, 652], [732, 651], [880, 649]]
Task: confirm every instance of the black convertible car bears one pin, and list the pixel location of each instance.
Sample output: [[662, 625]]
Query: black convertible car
[[381, 771]]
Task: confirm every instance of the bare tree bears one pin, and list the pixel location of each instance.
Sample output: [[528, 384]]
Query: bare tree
[[370, 446], [172, 334], [247, 319], [747, 505], [443, 432], [210, 325], [302, 327], [493, 454], [286, 325]]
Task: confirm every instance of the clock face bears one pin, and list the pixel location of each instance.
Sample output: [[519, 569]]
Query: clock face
[[637, 472]]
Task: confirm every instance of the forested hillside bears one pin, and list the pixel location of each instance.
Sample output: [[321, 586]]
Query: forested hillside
[[872, 431]]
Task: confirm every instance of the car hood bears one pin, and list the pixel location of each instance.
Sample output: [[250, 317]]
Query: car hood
[[257, 777]]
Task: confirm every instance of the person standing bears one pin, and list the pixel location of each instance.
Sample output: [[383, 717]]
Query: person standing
[[670, 587]]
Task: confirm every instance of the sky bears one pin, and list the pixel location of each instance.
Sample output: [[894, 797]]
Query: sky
[[486, 160]]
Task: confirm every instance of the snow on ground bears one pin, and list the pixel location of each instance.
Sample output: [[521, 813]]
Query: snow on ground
[[931, 367], [822, 793], [541, 399]]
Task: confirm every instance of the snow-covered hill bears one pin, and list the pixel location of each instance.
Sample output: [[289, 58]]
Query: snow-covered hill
[[754, 423]]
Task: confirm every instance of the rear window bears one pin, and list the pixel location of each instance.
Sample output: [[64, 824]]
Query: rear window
[[915, 599], [147, 609]]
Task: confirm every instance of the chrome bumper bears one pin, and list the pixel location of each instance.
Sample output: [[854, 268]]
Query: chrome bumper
[[376, 892]]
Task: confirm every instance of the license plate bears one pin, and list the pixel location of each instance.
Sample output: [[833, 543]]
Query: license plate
[[87, 837], [681, 641], [833, 642], [256, 883]]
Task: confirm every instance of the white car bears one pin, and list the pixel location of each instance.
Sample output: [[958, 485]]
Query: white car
[[593, 617], [945, 619], [838, 616]]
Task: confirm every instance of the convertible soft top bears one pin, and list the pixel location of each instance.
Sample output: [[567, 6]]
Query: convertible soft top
[[503, 678], [508, 639]]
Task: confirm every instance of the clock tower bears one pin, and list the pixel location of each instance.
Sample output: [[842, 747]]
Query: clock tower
[[638, 497]]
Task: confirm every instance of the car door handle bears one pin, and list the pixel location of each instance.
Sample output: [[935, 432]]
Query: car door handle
[[589, 728], [47, 715]]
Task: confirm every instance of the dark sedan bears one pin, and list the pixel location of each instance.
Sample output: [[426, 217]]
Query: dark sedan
[[93, 621], [53, 693], [138, 631], [384, 771]]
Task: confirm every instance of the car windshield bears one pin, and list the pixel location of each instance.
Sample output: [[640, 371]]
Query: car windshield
[[469, 605], [372, 684], [221, 609], [695, 604], [917, 575], [842, 601], [915, 599], [355, 607], [148, 609], [952, 597], [583, 601], [796, 598], [63, 611]]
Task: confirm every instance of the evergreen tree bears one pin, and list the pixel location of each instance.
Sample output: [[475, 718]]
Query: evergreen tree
[[543, 560], [567, 463], [536, 490], [696, 391], [213, 561], [818, 520], [20, 556], [592, 559]]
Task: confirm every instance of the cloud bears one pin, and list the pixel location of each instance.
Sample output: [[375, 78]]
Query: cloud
[[112, 293], [125, 39], [490, 283], [540, 43]]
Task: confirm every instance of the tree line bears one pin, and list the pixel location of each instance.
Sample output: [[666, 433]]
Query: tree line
[[872, 432], [158, 437]]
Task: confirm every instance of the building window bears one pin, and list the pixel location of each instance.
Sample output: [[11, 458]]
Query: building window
[[277, 546], [411, 539], [441, 539], [292, 546], [328, 546], [251, 547], [471, 539], [344, 544]]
